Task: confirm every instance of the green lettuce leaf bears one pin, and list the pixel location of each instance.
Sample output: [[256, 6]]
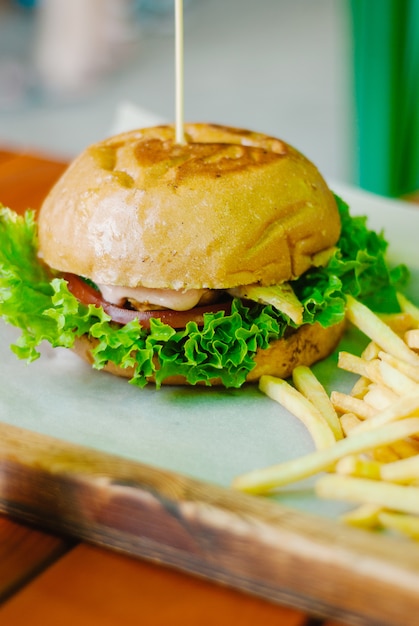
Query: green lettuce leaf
[[357, 267], [40, 304]]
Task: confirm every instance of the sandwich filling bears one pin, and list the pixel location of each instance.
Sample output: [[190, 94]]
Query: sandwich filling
[[177, 307]]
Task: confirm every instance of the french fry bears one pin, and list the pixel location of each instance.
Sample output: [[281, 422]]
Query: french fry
[[378, 371], [403, 498], [364, 516], [379, 397], [406, 448], [411, 337], [372, 326], [385, 454], [399, 322], [409, 370], [301, 407], [345, 403], [371, 351], [307, 384], [354, 465], [408, 307], [394, 379], [360, 388], [349, 421], [264, 480], [355, 364], [401, 522], [400, 409], [402, 471]]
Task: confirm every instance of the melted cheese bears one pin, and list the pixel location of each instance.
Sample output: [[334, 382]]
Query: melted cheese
[[282, 297], [176, 300]]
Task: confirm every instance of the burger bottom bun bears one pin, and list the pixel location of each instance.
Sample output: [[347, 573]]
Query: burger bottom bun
[[307, 345]]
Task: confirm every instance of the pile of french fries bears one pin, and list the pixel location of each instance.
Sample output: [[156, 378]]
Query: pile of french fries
[[367, 440]]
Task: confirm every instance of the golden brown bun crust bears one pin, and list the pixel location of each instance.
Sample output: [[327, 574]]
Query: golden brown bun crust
[[231, 207], [309, 344]]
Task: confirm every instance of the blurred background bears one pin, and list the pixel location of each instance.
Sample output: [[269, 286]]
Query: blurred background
[[336, 78]]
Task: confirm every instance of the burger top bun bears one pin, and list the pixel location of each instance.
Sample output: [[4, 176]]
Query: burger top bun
[[230, 207]]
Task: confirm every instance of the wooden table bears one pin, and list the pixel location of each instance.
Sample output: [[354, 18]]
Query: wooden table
[[44, 580], [48, 580]]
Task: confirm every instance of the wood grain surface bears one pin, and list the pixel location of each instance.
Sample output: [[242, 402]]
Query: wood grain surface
[[248, 543], [25, 179], [24, 552], [94, 587]]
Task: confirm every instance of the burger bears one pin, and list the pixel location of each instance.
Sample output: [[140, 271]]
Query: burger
[[210, 262]]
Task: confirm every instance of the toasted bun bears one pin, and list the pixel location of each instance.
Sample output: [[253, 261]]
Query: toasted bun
[[307, 345], [231, 207]]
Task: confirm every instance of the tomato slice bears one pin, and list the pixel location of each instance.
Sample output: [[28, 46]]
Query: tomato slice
[[176, 319]]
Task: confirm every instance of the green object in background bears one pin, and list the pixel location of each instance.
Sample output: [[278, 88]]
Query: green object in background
[[386, 75]]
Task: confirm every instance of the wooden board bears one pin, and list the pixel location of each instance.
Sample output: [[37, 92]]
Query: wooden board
[[252, 544], [24, 552], [91, 586], [249, 543], [25, 179]]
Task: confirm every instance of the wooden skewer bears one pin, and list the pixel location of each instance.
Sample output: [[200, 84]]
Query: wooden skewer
[[180, 132]]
